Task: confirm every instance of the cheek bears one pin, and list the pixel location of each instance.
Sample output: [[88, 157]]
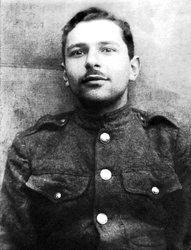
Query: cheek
[[121, 71], [75, 70], [120, 75], [118, 64]]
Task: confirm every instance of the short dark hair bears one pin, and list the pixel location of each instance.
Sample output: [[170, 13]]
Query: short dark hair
[[94, 13]]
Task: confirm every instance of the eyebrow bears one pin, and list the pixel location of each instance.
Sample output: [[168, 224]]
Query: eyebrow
[[76, 45], [81, 45], [109, 42]]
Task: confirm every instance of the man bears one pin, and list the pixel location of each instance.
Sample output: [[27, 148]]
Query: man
[[106, 176]]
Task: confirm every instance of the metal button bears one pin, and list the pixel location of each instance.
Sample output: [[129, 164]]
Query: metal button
[[155, 190], [63, 120], [102, 218], [57, 196], [142, 118], [105, 137], [105, 174]]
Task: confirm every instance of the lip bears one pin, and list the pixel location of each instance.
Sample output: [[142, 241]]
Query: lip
[[94, 78]]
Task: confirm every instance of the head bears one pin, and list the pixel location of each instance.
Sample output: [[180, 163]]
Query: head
[[99, 14], [98, 55]]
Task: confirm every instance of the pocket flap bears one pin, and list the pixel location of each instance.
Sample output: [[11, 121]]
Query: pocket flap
[[152, 183], [58, 187]]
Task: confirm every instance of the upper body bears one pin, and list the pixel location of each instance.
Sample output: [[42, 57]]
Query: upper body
[[118, 182], [106, 176]]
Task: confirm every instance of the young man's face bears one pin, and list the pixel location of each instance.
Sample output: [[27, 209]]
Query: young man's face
[[97, 63]]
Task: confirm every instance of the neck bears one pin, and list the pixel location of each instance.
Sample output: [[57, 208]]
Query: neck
[[101, 108]]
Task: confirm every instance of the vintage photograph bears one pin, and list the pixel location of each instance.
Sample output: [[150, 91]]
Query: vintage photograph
[[95, 125]]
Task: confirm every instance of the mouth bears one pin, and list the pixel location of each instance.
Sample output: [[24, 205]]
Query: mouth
[[94, 79]]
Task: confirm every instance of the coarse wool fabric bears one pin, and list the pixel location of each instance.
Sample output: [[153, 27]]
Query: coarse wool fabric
[[55, 195]]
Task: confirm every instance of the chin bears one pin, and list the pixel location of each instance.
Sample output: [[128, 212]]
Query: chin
[[96, 102]]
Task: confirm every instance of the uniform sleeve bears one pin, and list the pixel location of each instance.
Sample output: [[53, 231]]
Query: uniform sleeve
[[183, 169], [16, 228]]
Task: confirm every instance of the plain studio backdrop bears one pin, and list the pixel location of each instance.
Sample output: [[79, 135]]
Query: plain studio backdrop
[[31, 76]]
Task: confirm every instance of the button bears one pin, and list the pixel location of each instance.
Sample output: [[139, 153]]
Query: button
[[105, 137], [102, 218], [155, 190], [105, 174], [63, 120], [57, 196], [142, 118]]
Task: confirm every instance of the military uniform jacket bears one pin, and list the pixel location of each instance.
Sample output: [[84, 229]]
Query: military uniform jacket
[[120, 181]]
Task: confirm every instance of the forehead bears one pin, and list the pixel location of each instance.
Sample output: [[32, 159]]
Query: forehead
[[95, 31]]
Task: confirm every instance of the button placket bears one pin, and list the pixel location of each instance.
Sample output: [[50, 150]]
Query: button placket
[[104, 175]]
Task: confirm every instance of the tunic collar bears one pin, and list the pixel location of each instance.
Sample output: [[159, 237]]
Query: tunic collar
[[110, 120]]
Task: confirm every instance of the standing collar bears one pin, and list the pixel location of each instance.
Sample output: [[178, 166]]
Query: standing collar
[[110, 120]]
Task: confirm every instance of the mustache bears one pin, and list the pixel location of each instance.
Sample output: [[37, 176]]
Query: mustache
[[93, 74]]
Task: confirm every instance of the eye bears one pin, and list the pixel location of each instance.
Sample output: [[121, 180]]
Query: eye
[[77, 53], [108, 50]]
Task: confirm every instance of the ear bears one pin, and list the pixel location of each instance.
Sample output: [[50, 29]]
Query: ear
[[135, 68], [65, 78]]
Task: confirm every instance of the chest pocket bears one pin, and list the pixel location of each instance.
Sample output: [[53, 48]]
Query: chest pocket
[[155, 183], [58, 187], [152, 196]]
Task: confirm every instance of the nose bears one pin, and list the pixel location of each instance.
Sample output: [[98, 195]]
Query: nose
[[92, 59]]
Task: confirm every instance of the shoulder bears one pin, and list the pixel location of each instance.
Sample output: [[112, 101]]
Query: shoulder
[[47, 123], [45, 130], [163, 125], [158, 119]]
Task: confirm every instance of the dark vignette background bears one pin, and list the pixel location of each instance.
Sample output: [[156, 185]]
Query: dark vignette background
[[31, 76]]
